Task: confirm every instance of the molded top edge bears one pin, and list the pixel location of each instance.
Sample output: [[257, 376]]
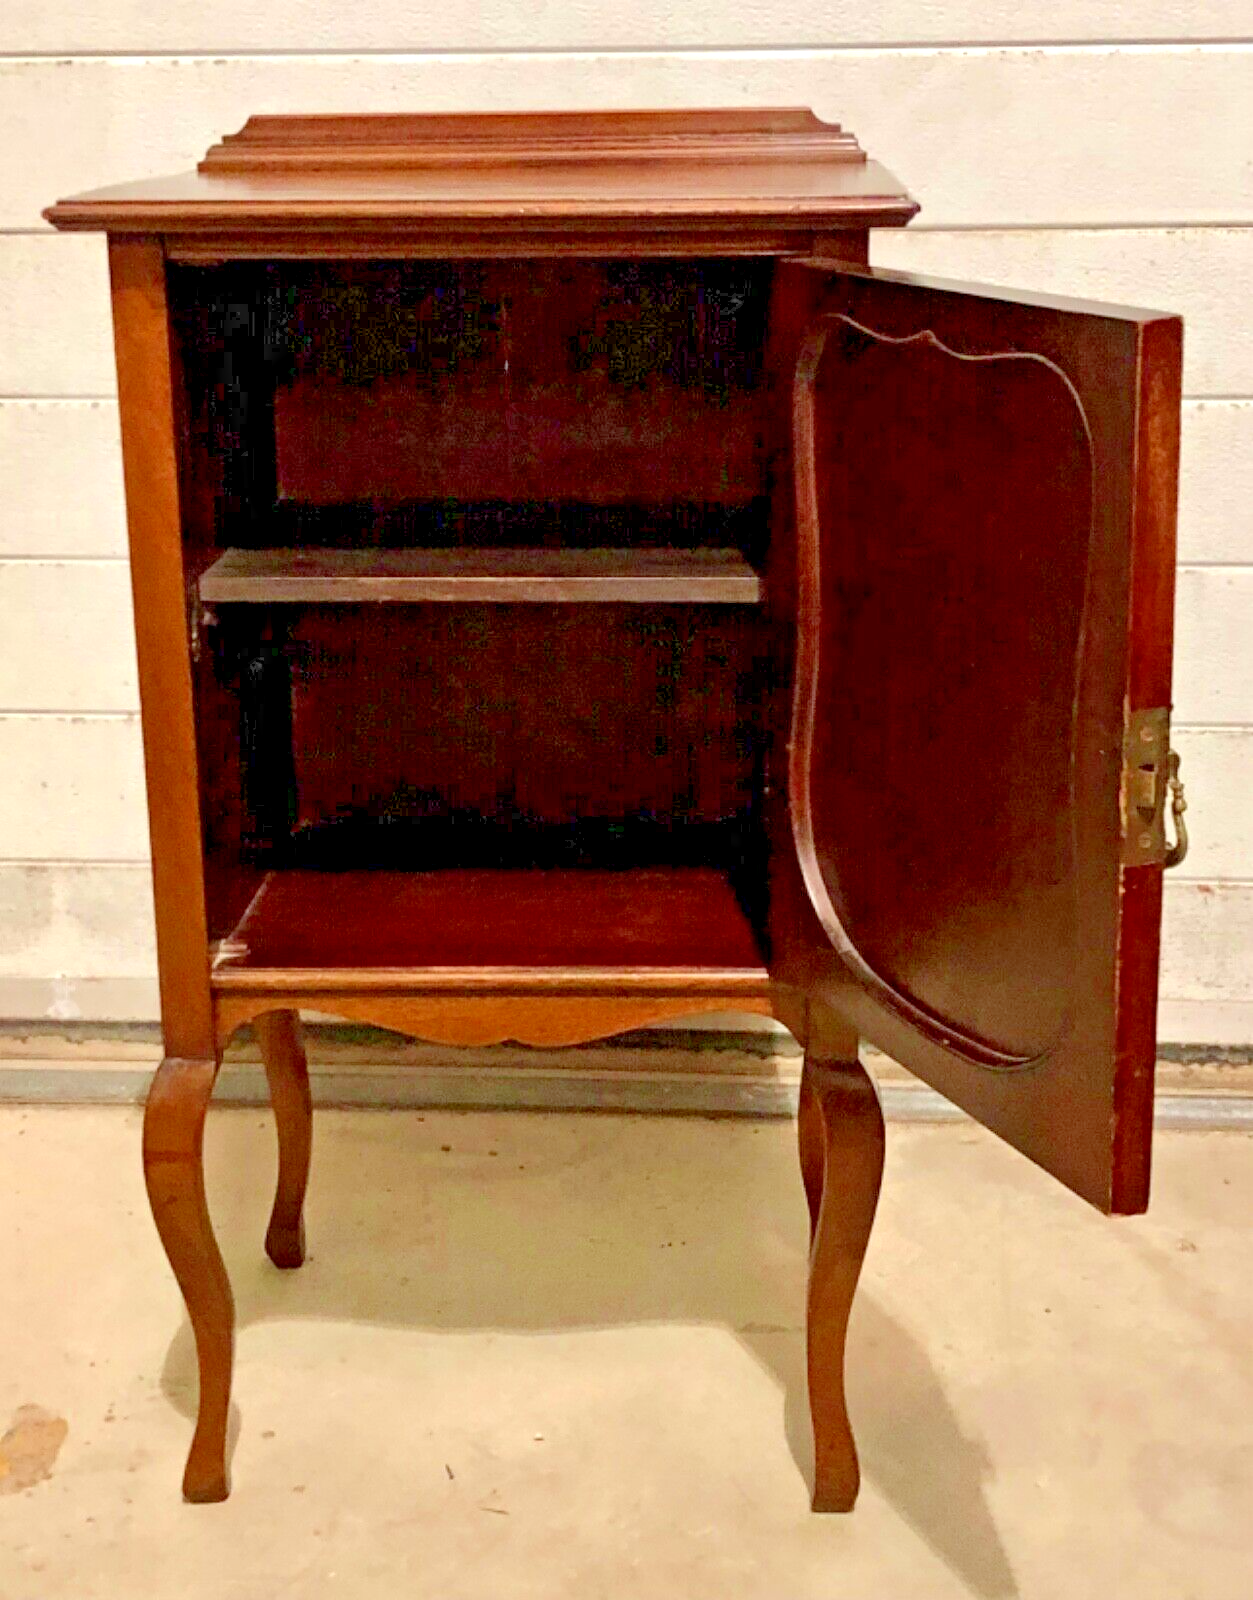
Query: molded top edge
[[286, 143], [741, 169]]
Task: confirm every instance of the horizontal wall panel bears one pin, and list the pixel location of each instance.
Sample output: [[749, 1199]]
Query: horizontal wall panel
[[61, 479], [72, 788], [1216, 481], [54, 313], [1216, 765], [1227, 1023], [66, 637], [185, 26], [1204, 274], [63, 998], [985, 137], [1214, 645], [1207, 934], [62, 920]]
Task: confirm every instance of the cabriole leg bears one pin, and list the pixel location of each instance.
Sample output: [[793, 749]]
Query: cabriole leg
[[840, 1129], [174, 1174], [282, 1049]]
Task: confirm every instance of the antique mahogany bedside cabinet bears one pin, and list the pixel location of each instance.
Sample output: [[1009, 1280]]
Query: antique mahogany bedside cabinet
[[573, 590]]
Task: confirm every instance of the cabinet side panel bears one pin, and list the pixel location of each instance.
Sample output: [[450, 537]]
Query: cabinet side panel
[[149, 453]]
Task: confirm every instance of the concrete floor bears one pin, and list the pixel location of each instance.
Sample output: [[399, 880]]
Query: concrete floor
[[551, 1355]]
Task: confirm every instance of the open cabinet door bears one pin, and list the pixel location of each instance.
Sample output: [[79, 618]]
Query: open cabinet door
[[985, 503]]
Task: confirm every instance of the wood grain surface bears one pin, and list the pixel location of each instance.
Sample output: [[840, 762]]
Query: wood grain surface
[[510, 576]]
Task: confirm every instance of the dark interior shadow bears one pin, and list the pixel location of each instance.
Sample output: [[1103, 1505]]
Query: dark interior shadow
[[912, 1446]]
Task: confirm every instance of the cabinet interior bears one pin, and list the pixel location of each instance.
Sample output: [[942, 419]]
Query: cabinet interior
[[474, 552]]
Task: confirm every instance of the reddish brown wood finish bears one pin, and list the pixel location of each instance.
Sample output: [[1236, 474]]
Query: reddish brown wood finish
[[409, 141], [953, 505], [340, 442], [538, 239], [520, 177], [516, 381], [283, 1052], [442, 926], [1150, 659], [538, 577], [174, 1173], [976, 575], [525, 712], [955, 774], [840, 1134], [479, 957], [520, 1010], [180, 1091], [150, 437]]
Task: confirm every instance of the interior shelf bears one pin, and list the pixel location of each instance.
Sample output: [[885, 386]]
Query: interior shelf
[[315, 928], [320, 576]]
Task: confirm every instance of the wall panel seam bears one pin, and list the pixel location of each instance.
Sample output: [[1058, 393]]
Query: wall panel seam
[[75, 863], [1079, 47], [17, 714]]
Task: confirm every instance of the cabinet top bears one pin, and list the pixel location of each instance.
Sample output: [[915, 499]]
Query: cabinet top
[[756, 172]]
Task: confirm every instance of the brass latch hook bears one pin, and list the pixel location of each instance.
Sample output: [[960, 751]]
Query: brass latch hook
[[1150, 786], [1178, 805]]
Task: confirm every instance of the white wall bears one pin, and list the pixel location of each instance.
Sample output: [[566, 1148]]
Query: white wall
[[1098, 149]]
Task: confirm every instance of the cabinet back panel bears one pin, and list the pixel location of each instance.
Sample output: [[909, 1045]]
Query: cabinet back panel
[[524, 714], [518, 381]]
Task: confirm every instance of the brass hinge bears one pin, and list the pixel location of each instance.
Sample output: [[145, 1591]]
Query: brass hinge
[[1150, 772]]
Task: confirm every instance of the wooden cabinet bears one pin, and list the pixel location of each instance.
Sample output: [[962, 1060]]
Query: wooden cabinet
[[573, 590]]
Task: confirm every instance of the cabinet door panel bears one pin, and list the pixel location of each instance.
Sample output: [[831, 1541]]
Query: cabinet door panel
[[985, 489]]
